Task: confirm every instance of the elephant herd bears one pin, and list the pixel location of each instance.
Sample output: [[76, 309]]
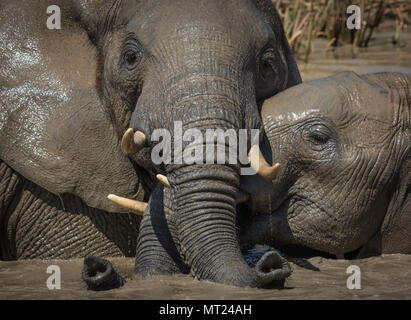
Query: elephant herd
[[80, 108]]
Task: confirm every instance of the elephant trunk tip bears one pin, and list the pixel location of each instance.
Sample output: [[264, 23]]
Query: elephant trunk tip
[[99, 274], [272, 270]]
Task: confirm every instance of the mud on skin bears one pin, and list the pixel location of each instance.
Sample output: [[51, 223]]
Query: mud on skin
[[344, 143], [126, 64], [344, 186], [61, 143]]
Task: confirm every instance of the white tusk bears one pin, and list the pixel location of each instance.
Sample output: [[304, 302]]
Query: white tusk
[[140, 140], [163, 180], [261, 166], [132, 142], [127, 143], [133, 206]]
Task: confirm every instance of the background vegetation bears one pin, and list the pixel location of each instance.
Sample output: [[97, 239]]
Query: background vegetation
[[305, 20]]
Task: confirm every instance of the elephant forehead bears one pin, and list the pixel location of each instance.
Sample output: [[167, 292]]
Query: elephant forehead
[[295, 104], [343, 98], [53, 129], [185, 19]]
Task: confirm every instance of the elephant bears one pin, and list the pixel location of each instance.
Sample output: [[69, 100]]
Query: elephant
[[74, 100], [59, 148], [344, 143], [343, 189]]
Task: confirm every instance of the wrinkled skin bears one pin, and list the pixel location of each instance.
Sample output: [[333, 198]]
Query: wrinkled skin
[[140, 64], [344, 143], [59, 150], [246, 68]]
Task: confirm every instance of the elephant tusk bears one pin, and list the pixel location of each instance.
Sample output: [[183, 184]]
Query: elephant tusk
[[127, 143], [132, 142], [133, 206], [163, 180], [140, 140], [261, 166]]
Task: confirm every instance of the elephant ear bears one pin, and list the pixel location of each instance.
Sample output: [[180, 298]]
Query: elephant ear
[[100, 16], [272, 17], [396, 228], [54, 130]]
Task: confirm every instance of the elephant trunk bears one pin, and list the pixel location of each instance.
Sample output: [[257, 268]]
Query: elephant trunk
[[206, 227], [99, 274], [215, 97]]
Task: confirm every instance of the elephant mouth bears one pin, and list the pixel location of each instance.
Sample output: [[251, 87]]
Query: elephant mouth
[[293, 247], [134, 142], [203, 194]]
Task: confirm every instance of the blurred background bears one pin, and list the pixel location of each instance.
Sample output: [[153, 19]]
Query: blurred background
[[323, 45]]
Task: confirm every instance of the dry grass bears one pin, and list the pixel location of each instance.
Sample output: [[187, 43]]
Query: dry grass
[[307, 19]]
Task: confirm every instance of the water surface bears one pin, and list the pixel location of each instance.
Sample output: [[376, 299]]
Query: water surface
[[385, 277]]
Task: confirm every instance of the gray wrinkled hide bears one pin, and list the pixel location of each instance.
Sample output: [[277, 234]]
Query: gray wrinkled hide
[[351, 191], [53, 129]]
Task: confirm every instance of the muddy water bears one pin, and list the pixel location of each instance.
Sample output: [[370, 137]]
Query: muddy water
[[386, 277]]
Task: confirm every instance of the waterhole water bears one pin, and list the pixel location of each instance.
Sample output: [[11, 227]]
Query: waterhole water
[[385, 277]]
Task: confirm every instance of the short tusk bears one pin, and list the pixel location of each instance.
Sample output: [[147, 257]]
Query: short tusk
[[133, 206], [163, 180], [127, 143], [132, 142], [140, 140], [261, 166]]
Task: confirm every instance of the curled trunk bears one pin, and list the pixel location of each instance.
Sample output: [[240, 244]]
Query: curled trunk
[[206, 227]]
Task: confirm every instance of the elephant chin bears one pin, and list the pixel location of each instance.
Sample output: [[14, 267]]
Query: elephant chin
[[99, 274]]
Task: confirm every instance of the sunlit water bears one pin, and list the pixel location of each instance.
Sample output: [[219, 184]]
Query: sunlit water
[[387, 276]]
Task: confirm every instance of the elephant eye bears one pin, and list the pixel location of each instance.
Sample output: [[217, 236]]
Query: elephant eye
[[272, 73], [267, 64], [132, 52], [317, 135], [131, 58]]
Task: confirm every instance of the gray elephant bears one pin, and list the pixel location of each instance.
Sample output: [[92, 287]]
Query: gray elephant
[[344, 144], [59, 149], [67, 97]]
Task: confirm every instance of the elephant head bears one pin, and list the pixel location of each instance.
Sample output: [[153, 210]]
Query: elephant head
[[69, 95], [54, 129], [208, 64], [344, 143]]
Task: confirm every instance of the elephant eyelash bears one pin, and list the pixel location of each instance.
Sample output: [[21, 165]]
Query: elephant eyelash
[[132, 51], [318, 135]]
